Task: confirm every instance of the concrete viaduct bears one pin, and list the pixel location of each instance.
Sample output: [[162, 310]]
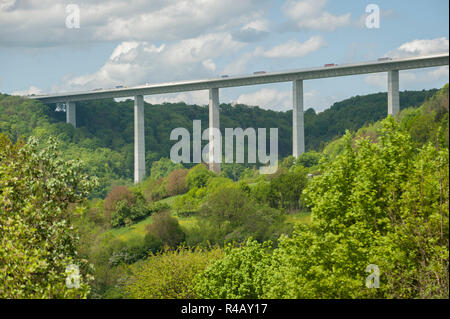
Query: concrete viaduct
[[391, 66]]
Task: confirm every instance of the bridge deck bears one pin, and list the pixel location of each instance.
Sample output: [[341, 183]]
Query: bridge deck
[[254, 79]]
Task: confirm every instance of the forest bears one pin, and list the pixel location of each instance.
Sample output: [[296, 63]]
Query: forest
[[371, 191]]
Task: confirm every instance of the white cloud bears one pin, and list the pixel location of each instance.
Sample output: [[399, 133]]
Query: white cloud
[[6, 5], [193, 97], [42, 23], [31, 90], [289, 49], [292, 48], [310, 14], [253, 31], [420, 47], [281, 100], [138, 62], [239, 65], [267, 98]]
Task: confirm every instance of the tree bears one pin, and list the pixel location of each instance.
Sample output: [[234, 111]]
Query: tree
[[198, 176], [287, 187], [37, 241], [241, 273], [176, 182], [229, 213], [163, 168], [166, 229], [115, 195]]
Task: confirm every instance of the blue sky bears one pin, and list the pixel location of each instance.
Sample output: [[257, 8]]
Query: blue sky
[[134, 42]]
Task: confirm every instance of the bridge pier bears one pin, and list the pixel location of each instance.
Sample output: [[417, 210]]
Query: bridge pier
[[71, 113], [139, 139], [214, 123], [298, 129], [393, 93]]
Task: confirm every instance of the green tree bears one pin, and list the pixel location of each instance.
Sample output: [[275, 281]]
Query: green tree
[[286, 188], [37, 240], [198, 176], [169, 274], [241, 273], [163, 167]]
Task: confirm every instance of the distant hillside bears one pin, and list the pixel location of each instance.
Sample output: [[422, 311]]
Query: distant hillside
[[112, 122], [104, 137]]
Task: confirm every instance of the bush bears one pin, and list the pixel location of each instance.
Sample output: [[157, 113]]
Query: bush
[[130, 251], [241, 273], [230, 214], [162, 168], [155, 190], [166, 228], [309, 159], [198, 176], [169, 274], [286, 188], [117, 193], [127, 213], [176, 182], [190, 202]]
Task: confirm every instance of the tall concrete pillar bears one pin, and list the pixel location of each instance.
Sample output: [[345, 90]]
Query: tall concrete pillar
[[139, 139], [214, 163], [71, 113], [298, 128], [393, 93]]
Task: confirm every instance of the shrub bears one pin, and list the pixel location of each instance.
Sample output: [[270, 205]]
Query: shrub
[[190, 202], [155, 190], [309, 159], [166, 228], [176, 182], [198, 176], [169, 274], [241, 273], [230, 214], [287, 187], [162, 168], [127, 213], [117, 193]]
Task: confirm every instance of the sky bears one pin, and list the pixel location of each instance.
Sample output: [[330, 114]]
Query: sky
[[133, 42]]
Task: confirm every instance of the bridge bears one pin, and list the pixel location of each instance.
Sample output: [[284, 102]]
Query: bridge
[[391, 66]]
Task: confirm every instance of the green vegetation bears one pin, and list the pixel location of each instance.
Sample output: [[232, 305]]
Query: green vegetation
[[169, 274], [377, 195], [37, 241], [104, 137]]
